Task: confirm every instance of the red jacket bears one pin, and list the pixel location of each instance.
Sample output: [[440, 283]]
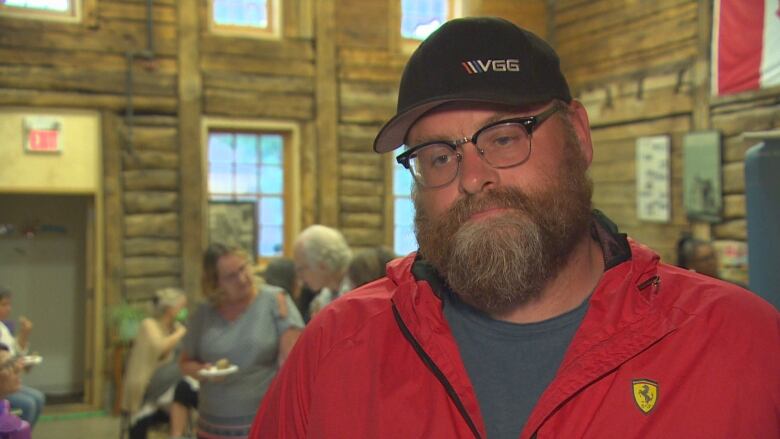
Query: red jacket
[[661, 353]]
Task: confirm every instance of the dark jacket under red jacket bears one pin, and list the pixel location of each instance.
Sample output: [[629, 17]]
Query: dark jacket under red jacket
[[661, 353]]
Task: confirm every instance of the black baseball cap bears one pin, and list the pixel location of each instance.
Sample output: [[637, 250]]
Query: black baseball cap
[[475, 59]]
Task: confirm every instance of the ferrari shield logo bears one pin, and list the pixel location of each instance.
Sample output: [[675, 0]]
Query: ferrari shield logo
[[645, 394]]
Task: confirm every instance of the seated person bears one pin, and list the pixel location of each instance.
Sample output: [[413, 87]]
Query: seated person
[[30, 401], [152, 372], [321, 256], [10, 373], [697, 255]]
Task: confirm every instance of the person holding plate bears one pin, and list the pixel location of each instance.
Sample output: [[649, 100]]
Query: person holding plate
[[235, 342], [30, 401]]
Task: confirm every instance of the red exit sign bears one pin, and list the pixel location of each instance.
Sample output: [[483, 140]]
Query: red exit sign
[[43, 141], [42, 134]]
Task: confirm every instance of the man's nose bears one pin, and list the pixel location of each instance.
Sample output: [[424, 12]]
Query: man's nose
[[476, 174]]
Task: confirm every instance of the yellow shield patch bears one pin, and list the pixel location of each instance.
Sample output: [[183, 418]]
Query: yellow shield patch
[[645, 394]]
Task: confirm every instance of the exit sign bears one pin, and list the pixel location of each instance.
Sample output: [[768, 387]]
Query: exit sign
[[42, 134]]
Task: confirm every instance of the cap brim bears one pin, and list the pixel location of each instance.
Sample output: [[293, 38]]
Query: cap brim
[[393, 134]]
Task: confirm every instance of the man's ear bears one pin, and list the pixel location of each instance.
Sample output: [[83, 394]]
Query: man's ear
[[579, 120]]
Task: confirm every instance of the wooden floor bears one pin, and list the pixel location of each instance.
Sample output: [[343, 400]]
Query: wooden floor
[[82, 425]]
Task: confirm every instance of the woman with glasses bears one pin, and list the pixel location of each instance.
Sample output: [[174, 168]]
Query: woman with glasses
[[235, 342]]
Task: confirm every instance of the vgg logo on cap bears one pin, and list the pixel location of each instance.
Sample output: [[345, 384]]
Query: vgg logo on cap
[[496, 65]]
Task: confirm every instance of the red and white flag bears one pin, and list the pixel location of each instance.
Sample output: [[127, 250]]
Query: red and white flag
[[745, 45]]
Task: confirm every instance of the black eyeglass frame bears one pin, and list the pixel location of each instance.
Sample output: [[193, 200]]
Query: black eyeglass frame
[[530, 123]]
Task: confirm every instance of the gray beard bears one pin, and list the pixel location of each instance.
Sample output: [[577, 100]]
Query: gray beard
[[499, 263]]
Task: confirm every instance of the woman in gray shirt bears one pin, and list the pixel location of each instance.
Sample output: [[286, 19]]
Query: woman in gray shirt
[[248, 327]]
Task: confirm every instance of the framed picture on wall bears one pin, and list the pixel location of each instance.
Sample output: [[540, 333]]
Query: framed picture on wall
[[234, 223], [702, 186], [653, 192]]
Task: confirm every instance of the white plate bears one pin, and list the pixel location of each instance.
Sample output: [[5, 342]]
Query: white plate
[[214, 372], [31, 360]]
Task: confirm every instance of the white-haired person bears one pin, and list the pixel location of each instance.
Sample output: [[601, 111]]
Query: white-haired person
[[322, 259], [152, 372], [27, 399]]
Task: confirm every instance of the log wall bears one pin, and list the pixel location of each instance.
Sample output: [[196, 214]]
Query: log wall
[[642, 69]]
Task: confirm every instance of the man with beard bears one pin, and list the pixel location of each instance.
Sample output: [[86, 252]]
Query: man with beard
[[524, 313]]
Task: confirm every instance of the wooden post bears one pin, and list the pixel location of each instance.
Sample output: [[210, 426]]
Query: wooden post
[[192, 170], [327, 114]]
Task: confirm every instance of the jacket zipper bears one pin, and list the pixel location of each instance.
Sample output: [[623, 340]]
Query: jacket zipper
[[436, 372]]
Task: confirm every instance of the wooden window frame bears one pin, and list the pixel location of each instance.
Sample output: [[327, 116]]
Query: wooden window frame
[[291, 132], [407, 45], [73, 15], [272, 32]]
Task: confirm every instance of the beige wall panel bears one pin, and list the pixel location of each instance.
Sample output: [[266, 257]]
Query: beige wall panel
[[76, 168]]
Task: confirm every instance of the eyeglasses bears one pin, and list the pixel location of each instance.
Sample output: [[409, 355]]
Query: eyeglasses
[[502, 144]]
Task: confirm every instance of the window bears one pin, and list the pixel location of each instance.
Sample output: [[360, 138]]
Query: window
[[419, 18], [259, 18], [404, 240], [61, 10], [250, 166]]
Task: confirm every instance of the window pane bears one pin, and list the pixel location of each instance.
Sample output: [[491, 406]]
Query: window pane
[[404, 212], [271, 179], [270, 242], [253, 13], [272, 211], [220, 148], [246, 179], [402, 181], [404, 239], [46, 5], [246, 148], [421, 18], [220, 178], [271, 147]]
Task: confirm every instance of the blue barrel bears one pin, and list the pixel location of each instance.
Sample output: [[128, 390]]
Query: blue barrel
[[762, 192]]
